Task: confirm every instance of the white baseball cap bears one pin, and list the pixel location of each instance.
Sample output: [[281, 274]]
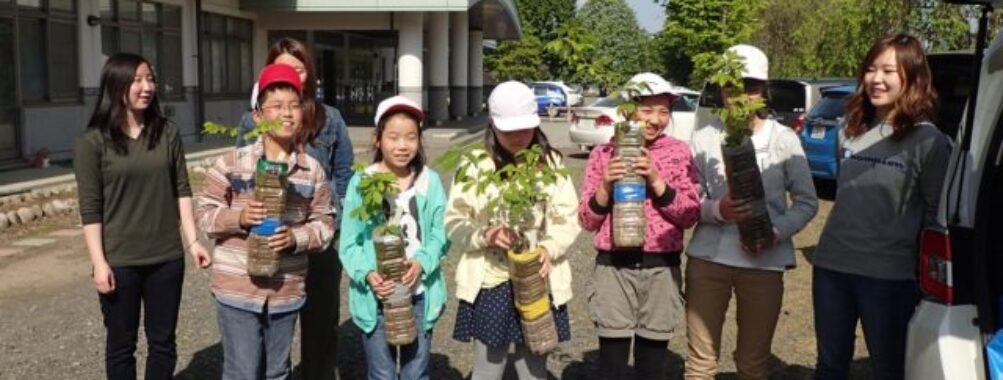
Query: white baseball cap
[[656, 85], [512, 106], [398, 104], [756, 64]]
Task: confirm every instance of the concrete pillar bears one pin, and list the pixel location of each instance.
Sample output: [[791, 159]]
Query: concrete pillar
[[458, 46], [475, 77], [409, 50], [438, 61]]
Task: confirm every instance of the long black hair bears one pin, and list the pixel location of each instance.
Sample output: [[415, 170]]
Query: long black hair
[[418, 162], [112, 105], [503, 157]]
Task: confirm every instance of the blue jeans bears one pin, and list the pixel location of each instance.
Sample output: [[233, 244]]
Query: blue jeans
[[883, 308], [156, 289], [381, 358], [251, 340]]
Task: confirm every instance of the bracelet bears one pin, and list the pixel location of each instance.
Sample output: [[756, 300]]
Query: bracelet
[[189, 246]]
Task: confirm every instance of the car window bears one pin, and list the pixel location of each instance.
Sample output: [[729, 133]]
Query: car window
[[540, 90], [686, 103], [832, 105], [605, 102], [787, 96]]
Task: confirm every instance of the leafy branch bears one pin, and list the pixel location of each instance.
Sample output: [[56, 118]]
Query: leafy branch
[[263, 127], [739, 107], [376, 188], [517, 188]]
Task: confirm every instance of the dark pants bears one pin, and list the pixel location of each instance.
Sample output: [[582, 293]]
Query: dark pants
[[157, 290], [883, 308], [319, 317]]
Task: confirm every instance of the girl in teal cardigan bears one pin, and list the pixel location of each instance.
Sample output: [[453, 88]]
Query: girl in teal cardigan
[[421, 207]]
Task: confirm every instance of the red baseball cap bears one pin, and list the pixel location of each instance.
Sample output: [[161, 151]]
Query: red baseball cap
[[279, 73]]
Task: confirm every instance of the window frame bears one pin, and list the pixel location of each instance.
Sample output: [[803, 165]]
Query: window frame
[[46, 17], [159, 30], [217, 28]]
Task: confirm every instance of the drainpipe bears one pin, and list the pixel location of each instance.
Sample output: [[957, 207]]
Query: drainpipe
[[199, 84]]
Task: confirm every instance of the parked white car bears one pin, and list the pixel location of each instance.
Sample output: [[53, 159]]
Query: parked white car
[[593, 125], [960, 267]]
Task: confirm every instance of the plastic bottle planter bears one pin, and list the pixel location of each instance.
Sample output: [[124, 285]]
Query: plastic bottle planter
[[532, 302], [629, 192], [261, 260], [270, 189], [397, 310], [746, 182]]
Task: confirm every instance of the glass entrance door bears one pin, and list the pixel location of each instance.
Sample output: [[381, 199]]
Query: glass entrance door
[[9, 146]]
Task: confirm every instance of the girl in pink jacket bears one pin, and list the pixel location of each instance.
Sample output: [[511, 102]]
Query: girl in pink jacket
[[637, 290]]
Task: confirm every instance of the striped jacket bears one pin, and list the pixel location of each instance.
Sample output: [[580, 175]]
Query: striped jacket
[[228, 186]]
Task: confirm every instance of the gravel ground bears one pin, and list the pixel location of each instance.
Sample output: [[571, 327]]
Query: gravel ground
[[50, 323]]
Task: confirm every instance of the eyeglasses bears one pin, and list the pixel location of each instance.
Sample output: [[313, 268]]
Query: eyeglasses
[[276, 108]]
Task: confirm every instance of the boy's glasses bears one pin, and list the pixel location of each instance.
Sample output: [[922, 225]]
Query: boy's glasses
[[276, 108]]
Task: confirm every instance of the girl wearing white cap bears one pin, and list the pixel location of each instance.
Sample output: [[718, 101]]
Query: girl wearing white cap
[[718, 264], [487, 313], [637, 298], [420, 206]]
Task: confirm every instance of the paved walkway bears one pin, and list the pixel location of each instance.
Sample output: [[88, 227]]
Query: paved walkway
[[22, 180]]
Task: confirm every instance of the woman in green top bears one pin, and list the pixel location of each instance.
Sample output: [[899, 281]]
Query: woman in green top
[[134, 200]]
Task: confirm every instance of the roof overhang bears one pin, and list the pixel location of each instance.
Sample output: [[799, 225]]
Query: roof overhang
[[498, 19]]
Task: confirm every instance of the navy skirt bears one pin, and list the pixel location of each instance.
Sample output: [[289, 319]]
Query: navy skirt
[[493, 319]]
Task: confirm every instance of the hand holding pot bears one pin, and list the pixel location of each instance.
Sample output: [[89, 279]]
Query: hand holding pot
[[382, 288], [545, 261], [282, 240], [252, 214], [644, 167], [413, 273], [734, 210], [500, 236]]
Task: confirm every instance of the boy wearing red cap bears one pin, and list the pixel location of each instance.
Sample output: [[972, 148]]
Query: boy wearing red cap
[[257, 314]]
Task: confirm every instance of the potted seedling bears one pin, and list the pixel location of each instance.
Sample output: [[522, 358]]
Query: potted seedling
[[745, 183], [512, 193], [629, 192], [378, 190], [270, 182]]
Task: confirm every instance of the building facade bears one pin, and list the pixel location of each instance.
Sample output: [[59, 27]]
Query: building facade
[[207, 53]]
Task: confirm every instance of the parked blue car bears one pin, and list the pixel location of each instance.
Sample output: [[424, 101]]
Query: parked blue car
[[822, 126], [549, 94]]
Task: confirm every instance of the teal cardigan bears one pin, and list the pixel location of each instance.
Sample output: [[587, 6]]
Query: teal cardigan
[[358, 256]]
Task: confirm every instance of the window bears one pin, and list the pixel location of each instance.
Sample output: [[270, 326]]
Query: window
[[48, 58], [149, 29], [226, 56]]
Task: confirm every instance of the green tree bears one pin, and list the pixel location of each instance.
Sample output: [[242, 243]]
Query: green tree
[[524, 58], [576, 47], [620, 41], [517, 59], [696, 31]]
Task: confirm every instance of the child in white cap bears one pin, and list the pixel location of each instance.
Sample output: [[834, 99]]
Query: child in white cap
[[419, 206], [487, 314], [718, 264]]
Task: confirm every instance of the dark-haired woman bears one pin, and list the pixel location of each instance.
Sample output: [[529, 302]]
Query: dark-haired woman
[[325, 138], [487, 313], [130, 159], [893, 163]]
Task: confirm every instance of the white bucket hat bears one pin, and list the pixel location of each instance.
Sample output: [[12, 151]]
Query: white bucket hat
[[756, 64], [656, 85], [512, 107]]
